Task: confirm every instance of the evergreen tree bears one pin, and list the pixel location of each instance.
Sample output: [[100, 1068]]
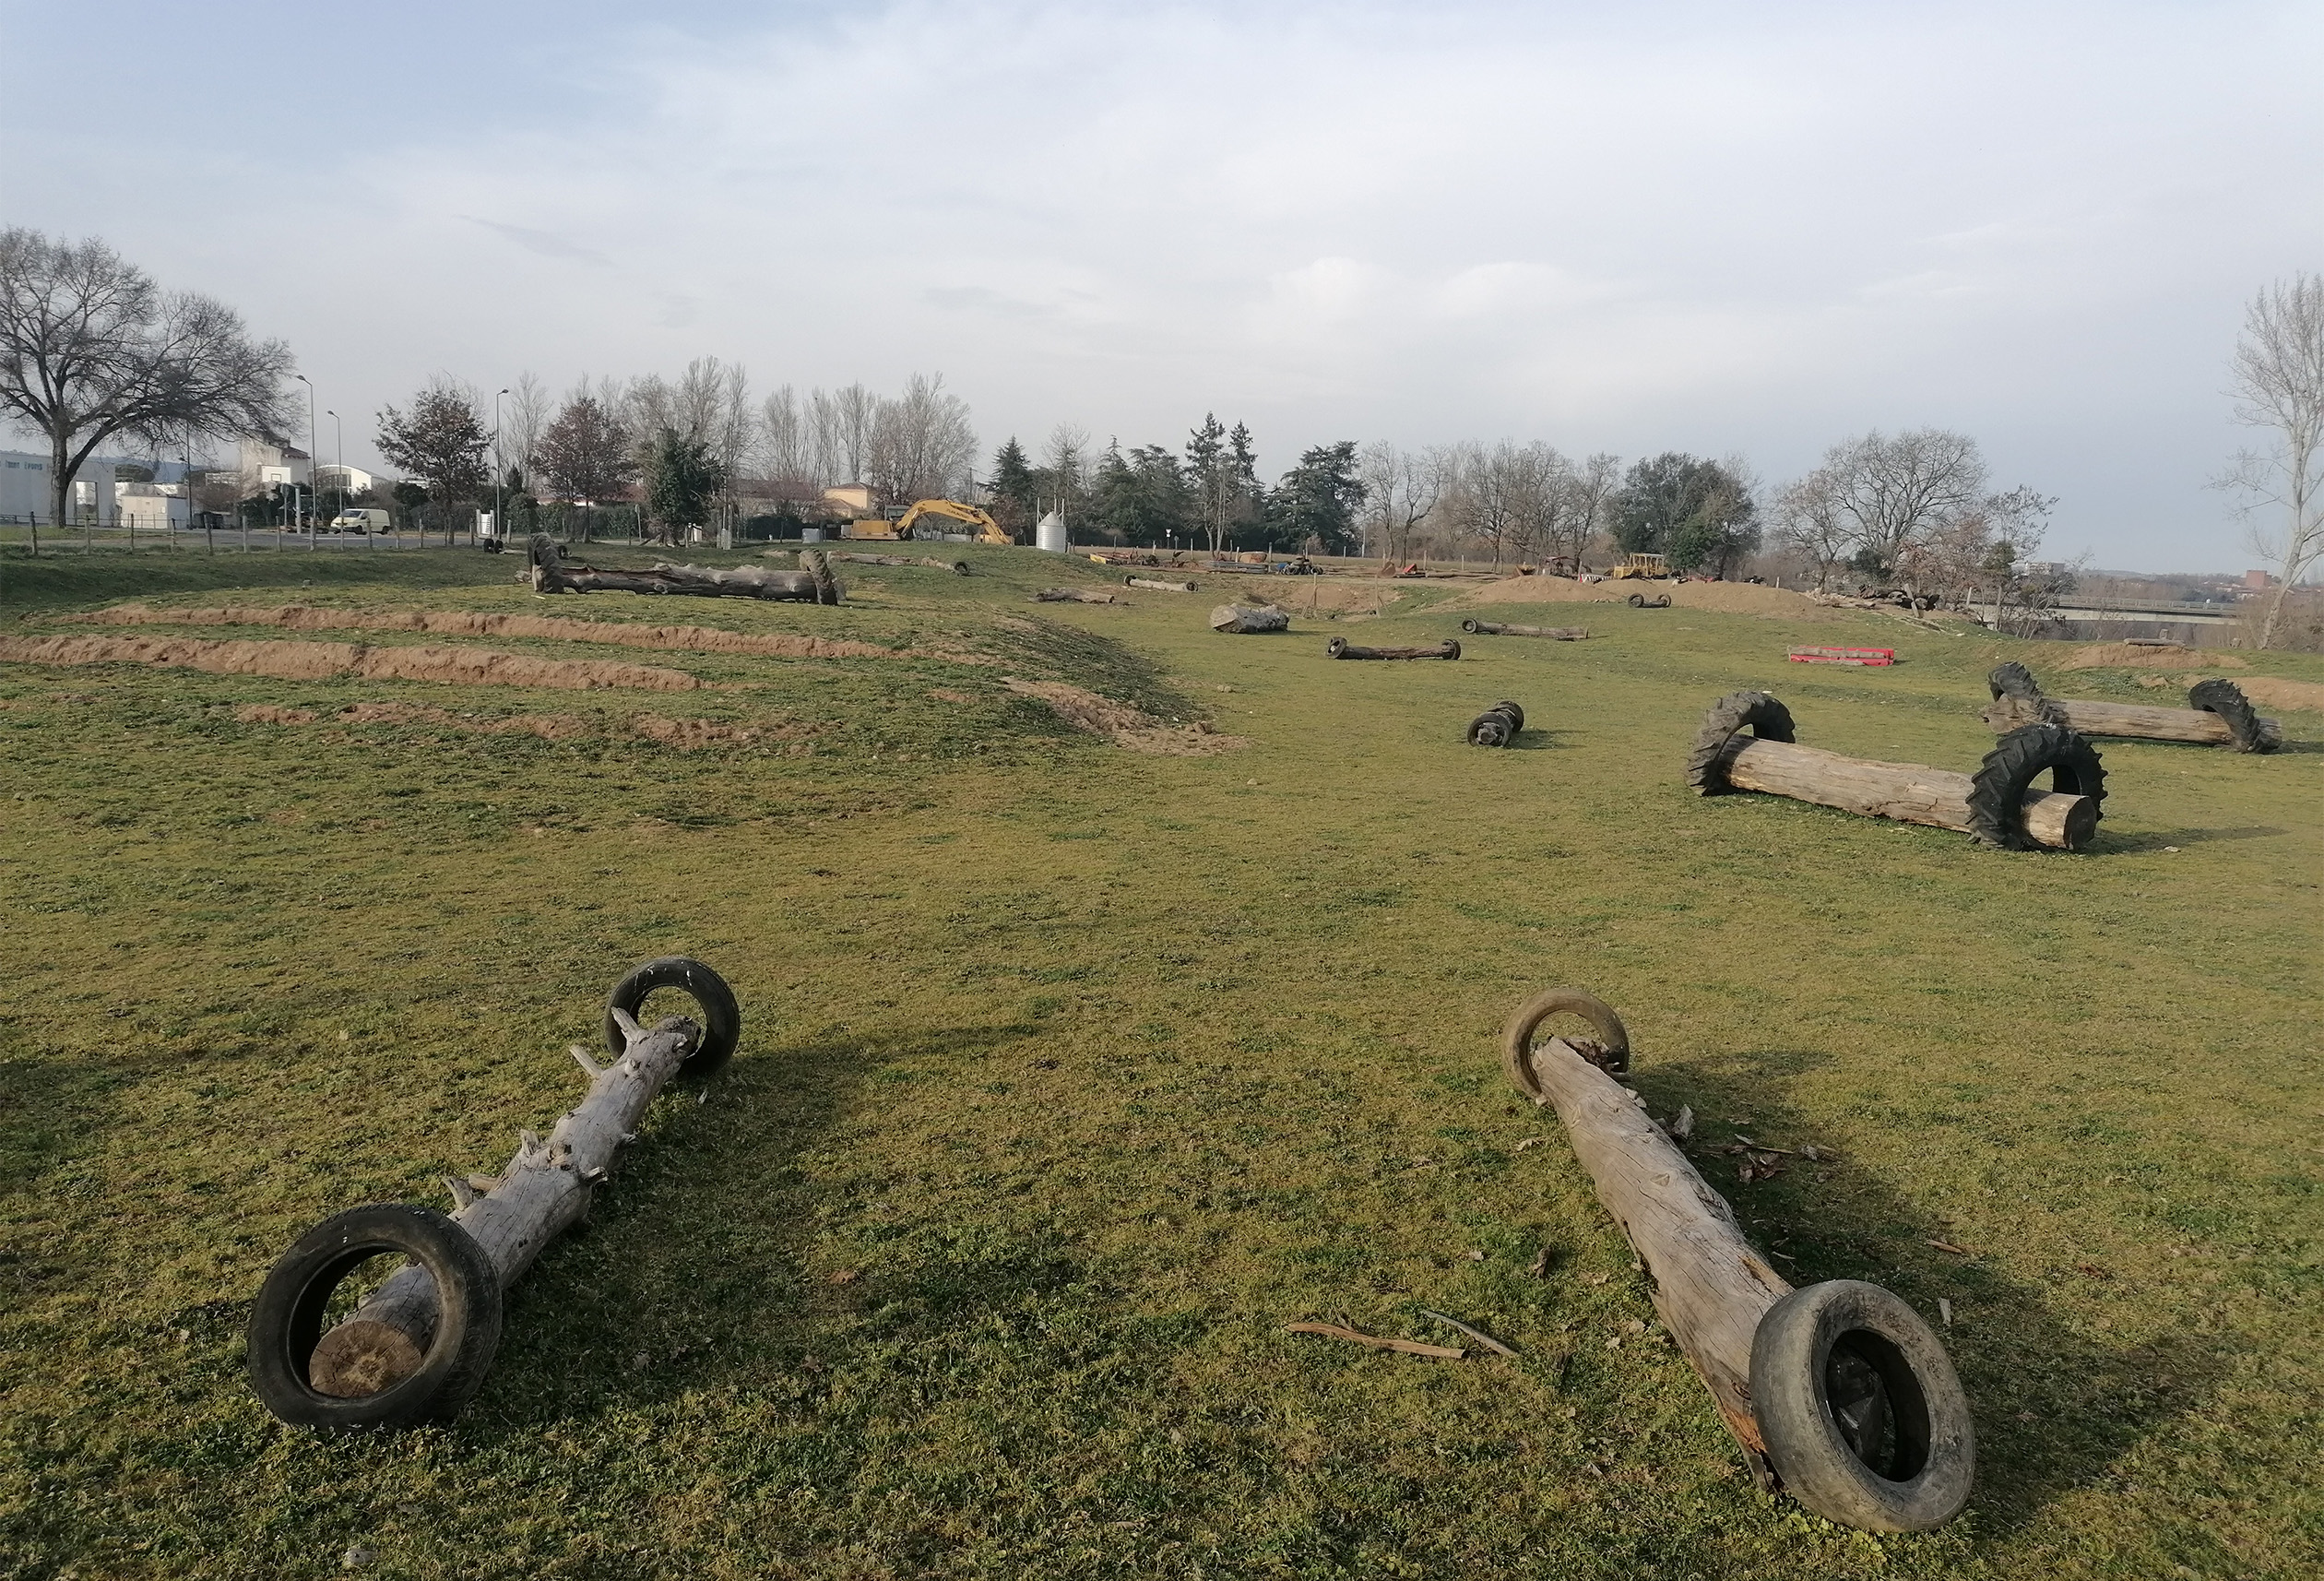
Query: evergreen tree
[[681, 478], [1143, 497], [1015, 493], [1316, 502], [1697, 513]]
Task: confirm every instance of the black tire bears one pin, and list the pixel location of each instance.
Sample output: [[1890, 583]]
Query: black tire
[[1661, 603], [1862, 1414], [1738, 712], [2226, 699], [2013, 680], [1497, 726], [1335, 647], [1517, 1037], [1452, 649], [287, 1321], [1997, 791], [1637, 601], [721, 1016], [1469, 627]]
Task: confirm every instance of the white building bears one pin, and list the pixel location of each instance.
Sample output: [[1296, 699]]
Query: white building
[[334, 479], [263, 466], [149, 507], [24, 487]]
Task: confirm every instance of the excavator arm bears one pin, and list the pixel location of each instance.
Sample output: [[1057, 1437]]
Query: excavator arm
[[987, 529]]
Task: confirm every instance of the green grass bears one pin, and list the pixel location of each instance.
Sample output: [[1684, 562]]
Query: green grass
[[1070, 1075]]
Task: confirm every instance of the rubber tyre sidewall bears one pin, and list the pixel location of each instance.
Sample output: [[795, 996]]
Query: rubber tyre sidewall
[[286, 1320], [1758, 712], [1997, 790], [2013, 680], [1517, 1037], [1336, 649], [721, 1016], [1789, 1352], [2226, 699]]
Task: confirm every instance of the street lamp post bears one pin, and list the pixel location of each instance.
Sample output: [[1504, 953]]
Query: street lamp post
[[312, 536], [499, 472]]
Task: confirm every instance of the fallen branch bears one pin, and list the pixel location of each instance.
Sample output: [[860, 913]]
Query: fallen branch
[[1074, 596], [1486, 1340], [1408, 1347]]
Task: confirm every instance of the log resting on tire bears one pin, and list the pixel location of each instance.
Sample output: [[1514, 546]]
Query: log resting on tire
[[1497, 726], [1999, 805], [1340, 648], [812, 583], [2217, 714], [1735, 1318]]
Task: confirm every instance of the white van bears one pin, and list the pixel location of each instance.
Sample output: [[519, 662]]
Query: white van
[[360, 521]]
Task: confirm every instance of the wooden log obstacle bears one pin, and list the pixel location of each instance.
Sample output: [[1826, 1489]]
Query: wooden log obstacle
[[957, 568], [1839, 1392], [1496, 628], [812, 583], [419, 1346], [1856, 656], [1998, 804], [2217, 714], [1497, 726], [1640, 601], [1157, 585], [1340, 648], [1246, 620], [1074, 596]]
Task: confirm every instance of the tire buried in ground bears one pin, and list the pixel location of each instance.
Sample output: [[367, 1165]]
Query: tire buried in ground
[[1862, 1413], [1997, 790], [2235, 710], [1755, 711], [721, 1016], [287, 1320]]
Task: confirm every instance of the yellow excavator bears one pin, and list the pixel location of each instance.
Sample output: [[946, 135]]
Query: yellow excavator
[[1652, 566], [883, 527]]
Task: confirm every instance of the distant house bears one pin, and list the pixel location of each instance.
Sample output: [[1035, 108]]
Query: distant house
[[332, 479], [24, 488], [262, 465], [849, 500], [149, 507]]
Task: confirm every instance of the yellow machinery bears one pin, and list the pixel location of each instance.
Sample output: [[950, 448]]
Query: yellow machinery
[[987, 529], [1651, 566]]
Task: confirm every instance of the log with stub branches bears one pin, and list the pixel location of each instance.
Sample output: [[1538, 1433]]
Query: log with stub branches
[[1340, 648], [1074, 596], [544, 1190], [812, 583], [1498, 628]]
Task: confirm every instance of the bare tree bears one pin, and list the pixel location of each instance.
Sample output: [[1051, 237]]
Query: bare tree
[[91, 348], [1889, 491], [1401, 488], [844, 421], [1591, 486], [787, 442], [1809, 520], [1065, 465], [2278, 384], [1498, 491], [922, 444], [531, 408]]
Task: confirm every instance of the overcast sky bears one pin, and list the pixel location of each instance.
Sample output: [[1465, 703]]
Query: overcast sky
[[1635, 227]]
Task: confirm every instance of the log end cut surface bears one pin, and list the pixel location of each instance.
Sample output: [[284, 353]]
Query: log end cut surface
[[363, 1357]]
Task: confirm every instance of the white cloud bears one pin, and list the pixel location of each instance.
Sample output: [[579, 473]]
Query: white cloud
[[1630, 229]]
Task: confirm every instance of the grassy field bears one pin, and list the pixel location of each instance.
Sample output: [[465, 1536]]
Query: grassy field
[[1069, 1075]]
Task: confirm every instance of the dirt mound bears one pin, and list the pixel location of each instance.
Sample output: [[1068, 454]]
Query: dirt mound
[[1731, 597], [465, 623], [1332, 595], [2276, 692], [1125, 726], [2103, 655], [267, 714], [324, 661]]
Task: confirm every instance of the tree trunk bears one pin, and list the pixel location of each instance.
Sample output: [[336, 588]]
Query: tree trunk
[[1243, 620], [544, 1190], [2137, 721], [1905, 791], [1710, 1288], [1495, 628], [1153, 586], [1340, 648], [812, 583], [1074, 596]]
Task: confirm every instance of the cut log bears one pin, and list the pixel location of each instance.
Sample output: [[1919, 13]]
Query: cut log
[[544, 1190], [1074, 596], [2137, 721], [957, 568], [1497, 628], [1905, 791], [812, 583], [1710, 1288], [1155, 584], [1244, 619], [1340, 648]]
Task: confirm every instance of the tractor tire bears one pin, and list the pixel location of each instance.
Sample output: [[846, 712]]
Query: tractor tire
[[1517, 1037], [1755, 712], [1862, 1413], [2013, 680], [286, 1319], [1997, 791], [2235, 710], [721, 1016], [1636, 601], [1497, 726]]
